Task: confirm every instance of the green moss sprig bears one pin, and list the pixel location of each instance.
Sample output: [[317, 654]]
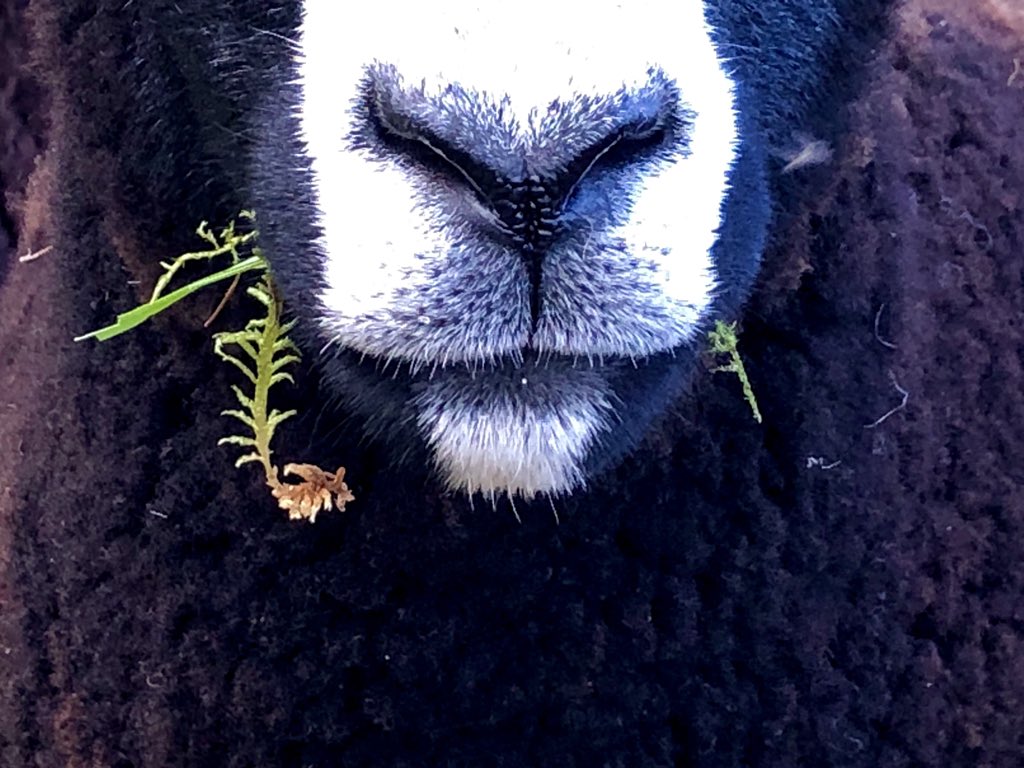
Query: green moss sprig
[[724, 342], [264, 351], [264, 342]]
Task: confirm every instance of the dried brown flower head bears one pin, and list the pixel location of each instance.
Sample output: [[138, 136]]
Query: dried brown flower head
[[319, 490]]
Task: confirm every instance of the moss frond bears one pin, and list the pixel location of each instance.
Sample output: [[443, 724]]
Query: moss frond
[[229, 242], [260, 352], [261, 341], [724, 343], [266, 351]]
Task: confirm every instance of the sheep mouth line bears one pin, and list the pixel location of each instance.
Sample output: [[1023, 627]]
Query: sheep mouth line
[[525, 363]]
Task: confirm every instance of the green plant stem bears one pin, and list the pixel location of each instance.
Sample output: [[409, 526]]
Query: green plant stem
[[724, 341], [231, 243], [261, 398], [135, 317]]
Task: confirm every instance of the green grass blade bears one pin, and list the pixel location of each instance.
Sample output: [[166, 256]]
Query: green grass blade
[[134, 317]]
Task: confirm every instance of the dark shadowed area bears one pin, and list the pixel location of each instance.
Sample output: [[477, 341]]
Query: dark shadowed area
[[840, 586]]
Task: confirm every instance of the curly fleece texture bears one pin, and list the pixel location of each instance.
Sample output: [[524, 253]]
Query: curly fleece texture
[[806, 593]]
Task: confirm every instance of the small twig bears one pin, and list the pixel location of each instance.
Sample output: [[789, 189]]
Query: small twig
[[32, 256], [878, 336], [724, 342], [818, 462], [897, 409], [1018, 70], [223, 302]]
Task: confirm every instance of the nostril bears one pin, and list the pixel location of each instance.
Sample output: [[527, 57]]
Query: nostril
[[630, 143], [524, 175], [528, 207], [400, 128]]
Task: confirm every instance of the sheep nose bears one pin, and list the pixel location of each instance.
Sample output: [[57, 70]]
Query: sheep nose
[[525, 178], [503, 175]]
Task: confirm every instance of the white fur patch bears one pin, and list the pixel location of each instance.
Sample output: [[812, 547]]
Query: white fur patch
[[514, 443], [406, 278], [382, 236]]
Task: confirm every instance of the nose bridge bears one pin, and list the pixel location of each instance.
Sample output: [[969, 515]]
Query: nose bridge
[[540, 165], [540, 169], [529, 206], [526, 151]]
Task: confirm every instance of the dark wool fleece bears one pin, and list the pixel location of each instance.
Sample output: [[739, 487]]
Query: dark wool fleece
[[807, 592]]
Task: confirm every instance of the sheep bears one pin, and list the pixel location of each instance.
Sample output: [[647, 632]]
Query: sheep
[[836, 587]]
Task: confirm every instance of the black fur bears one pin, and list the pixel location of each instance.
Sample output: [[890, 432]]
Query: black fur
[[412, 631]]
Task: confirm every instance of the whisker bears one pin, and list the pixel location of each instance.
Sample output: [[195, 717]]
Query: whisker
[[293, 43]]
